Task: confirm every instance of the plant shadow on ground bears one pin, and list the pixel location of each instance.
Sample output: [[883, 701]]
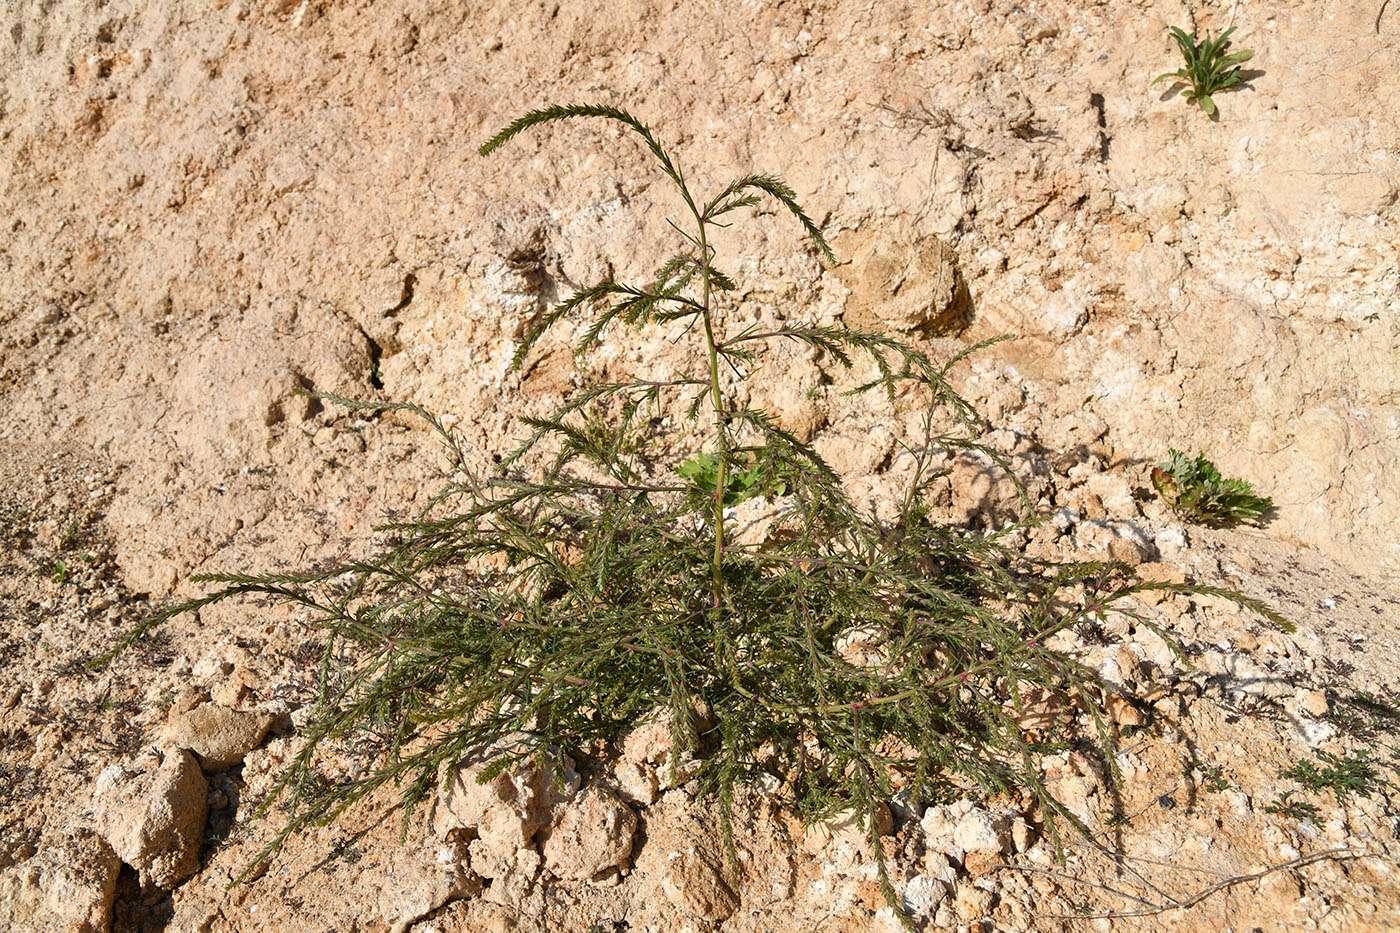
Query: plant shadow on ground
[[592, 580]]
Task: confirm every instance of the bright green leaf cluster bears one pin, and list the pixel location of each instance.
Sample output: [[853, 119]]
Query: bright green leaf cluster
[[703, 474], [1197, 491], [1208, 66]]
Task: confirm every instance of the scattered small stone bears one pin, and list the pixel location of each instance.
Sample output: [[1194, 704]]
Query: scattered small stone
[[219, 737], [923, 895], [982, 831], [153, 816], [69, 884], [590, 835], [1313, 702], [694, 885]]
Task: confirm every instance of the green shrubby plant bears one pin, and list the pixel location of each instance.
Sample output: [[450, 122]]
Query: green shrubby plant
[[1197, 491], [1355, 774], [1210, 67], [592, 579]]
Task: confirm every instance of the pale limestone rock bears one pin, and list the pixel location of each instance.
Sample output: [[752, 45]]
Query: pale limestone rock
[[1079, 793], [855, 447], [938, 867], [939, 825], [1115, 493], [796, 401], [649, 743], [1123, 712], [153, 816], [218, 736], [1040, 709], [759, 521], [69, 885], [923, 895], [1313, 702], [590, 835], [511, 875], [903, 281], [1122, 540], [1023, 834], [696, 886], [652, 744], [983, 490], [1172, 541], [234, 689], [636, 784], [1065, 518], [505, 813], [847, 828], [416, 880], [507, 810], [844, 844], [863, 646], [1063, 313], [973, 903], [981, 830]]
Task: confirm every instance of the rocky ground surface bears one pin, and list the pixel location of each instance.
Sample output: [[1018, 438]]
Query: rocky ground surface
[[210, 206]]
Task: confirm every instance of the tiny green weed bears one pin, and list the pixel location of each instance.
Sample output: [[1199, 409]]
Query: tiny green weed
[[1355, 775], [72, 534], [1287, 807], [1209, 69], [1362, 714], [1212, 777], [1194, 488]]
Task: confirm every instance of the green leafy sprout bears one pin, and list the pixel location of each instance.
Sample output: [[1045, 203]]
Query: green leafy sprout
[[589, 580], [1210, 67], [1286, 806], [744, 483], [1196, 490], [1356, 774]]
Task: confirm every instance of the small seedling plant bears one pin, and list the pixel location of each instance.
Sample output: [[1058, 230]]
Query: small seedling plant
[[1357, 774], [592, 579], [1194, 488], [1210, 66]]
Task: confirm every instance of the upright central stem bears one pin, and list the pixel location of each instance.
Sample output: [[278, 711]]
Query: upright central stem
[[721, 426]]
